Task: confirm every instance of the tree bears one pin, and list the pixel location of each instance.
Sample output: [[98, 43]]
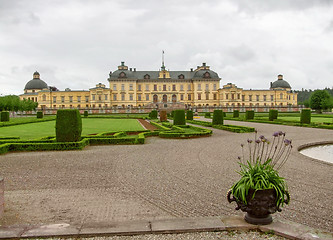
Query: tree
[[321, 100]]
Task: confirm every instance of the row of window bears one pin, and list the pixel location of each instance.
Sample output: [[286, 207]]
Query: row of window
[[257, 97], [78, 98], [163, 87]]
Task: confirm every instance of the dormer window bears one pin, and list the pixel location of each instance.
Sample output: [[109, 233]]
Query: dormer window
[[122, 75], [181, 76], [206, 75], [146, 76]]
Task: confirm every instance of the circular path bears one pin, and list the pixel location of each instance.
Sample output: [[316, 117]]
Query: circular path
[[162, 179]]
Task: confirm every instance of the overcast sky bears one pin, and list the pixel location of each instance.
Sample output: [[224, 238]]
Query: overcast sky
[[76, 43]]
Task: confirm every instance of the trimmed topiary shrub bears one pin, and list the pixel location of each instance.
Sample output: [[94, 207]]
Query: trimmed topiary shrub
[[68, 125], [40, 114], [217, 117], [172, 113], [235, 114], [4, 116], [85, 113], [163, 116], [249, 115], [224, 114], [153, 114], [189, 115], [273, 114], [207, 115], [179, 117], [306, 116]]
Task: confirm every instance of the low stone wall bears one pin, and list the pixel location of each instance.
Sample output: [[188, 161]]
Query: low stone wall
[[2, 197]]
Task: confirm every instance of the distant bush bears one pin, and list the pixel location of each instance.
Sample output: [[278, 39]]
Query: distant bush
[[172, 113], [235, 114], [85, 113], [68, 125], [306, 116], [273, 114], [189, 115], [40, 114], [207, 115], [217, 117], [4, 116], [153, 114], [179, 117], [163, 116], [249, 115]]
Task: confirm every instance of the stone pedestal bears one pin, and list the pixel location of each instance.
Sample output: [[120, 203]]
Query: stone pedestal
[[2, 197]]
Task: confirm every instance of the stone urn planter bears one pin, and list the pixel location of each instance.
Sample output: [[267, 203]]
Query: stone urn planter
[[260, 207]]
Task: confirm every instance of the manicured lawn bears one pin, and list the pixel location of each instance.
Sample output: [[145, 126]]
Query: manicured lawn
[[89, 126]]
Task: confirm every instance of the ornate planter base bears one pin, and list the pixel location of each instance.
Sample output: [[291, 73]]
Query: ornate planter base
[[258, 220]]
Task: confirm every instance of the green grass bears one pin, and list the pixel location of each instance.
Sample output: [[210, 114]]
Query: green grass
[[89, 126]]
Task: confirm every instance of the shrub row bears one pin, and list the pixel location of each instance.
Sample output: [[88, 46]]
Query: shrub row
[[180, 132], [26, 120], [231, 128]]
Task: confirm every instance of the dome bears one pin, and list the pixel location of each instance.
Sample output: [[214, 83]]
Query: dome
[[202, 73], [280, 83], [36, 83]]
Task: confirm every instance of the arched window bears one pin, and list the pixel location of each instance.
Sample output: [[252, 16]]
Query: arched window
[[181, 76], [206, 75], [147, 76], [155, 98], [165, 98], [122, 75], [44, 97], [174, 98]]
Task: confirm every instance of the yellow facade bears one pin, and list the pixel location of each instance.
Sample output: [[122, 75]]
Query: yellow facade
[[161, 89]]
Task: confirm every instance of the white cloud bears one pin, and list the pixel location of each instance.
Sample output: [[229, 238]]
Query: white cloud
[[76, 43]]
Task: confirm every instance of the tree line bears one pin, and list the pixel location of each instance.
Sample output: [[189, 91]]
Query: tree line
[[316, 99], [13, 103]]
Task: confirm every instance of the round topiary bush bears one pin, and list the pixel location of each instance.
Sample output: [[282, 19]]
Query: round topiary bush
[[235, 114], [217, 117], [306, 116], [40, 114], [189, 115], [4, 116], [179, 117], [68, 125], [153, 114], [163, 116]]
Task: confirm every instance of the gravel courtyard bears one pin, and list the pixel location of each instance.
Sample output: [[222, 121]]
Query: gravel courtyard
[[162, 179]]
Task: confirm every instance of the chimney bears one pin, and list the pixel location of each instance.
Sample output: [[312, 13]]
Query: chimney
[[280, 77], [204, 64], [134, 69], [122, 63], [191, 69], [131, 69]]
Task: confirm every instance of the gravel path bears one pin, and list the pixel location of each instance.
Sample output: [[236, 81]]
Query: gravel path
[[164, 178]]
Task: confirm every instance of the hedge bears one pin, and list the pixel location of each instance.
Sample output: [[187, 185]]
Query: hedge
[[235, 114], [153, 114], [249, 115], [189, 115], [306, 116], [68, 125], [182, 133], [217, 117], [231, 128], [207, 115], [163, 116], [19, 121], [40, 114], [273, 114], [179, 117], [85, 113], [4, 116]]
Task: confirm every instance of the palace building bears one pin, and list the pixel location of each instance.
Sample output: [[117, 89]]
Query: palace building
[[163, 89]]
